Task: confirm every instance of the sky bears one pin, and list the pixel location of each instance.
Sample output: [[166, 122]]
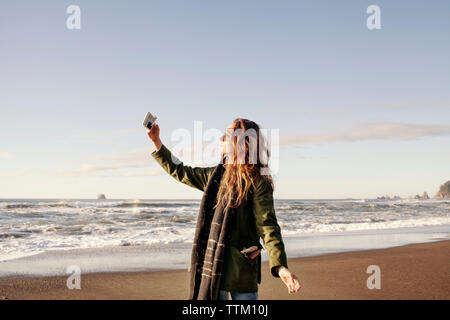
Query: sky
[[360, 113]]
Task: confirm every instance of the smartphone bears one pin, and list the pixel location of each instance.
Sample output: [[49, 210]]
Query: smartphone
[[149, 120], [251, 253]]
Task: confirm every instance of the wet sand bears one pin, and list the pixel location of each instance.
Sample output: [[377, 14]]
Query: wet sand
[[418, 271]]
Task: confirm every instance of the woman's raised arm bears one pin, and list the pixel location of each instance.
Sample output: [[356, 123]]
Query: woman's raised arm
[[195, 177]]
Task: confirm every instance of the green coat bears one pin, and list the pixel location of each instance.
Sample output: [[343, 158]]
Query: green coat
[[255, 218]]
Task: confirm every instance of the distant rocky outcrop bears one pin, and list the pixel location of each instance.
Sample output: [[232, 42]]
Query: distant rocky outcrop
[[101, 196], [444, 191], [424, 196], [387, 197]]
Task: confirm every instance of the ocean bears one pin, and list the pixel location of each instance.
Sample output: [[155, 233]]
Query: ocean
[[42, 236]]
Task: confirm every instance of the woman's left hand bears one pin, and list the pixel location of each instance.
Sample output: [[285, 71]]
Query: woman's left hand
[[289, 279]]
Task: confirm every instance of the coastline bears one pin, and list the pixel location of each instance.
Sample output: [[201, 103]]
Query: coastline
[[415, 271], [173, 256]]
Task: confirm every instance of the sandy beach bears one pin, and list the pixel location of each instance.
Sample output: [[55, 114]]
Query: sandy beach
[[418, 271]]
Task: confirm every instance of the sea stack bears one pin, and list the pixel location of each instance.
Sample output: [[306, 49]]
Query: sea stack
[[424, 196], [101, 196], [444, 191], [387, 197]]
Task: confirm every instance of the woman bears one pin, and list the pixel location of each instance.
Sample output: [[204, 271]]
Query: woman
[[236, 211]]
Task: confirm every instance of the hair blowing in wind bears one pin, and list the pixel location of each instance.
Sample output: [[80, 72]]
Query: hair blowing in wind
[[246, 155]]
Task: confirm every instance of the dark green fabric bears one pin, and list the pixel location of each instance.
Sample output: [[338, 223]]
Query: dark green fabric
[[255, 218], [194, 177]]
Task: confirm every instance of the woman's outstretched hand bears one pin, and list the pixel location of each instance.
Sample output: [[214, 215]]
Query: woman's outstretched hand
[[153, 134], [289, 279]]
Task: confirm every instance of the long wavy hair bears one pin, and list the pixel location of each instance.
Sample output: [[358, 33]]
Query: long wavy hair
[[246, 159]]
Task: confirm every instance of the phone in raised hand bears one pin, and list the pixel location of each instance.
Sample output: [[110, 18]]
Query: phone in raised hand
[[149, 120]]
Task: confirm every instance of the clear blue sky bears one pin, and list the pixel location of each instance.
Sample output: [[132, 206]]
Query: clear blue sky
[[363, 113]]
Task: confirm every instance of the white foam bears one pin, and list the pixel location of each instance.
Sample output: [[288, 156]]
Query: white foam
[[302, 228], [35, 226]]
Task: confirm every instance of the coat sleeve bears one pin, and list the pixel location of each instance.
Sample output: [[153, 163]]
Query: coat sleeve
[[267, 225], [195, 177]]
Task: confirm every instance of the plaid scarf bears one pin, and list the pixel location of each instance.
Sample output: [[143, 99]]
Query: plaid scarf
[[208, 248]]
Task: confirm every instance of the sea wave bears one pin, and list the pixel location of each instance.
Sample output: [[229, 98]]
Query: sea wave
[[148, 204], [33, 226], [301, 228]]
